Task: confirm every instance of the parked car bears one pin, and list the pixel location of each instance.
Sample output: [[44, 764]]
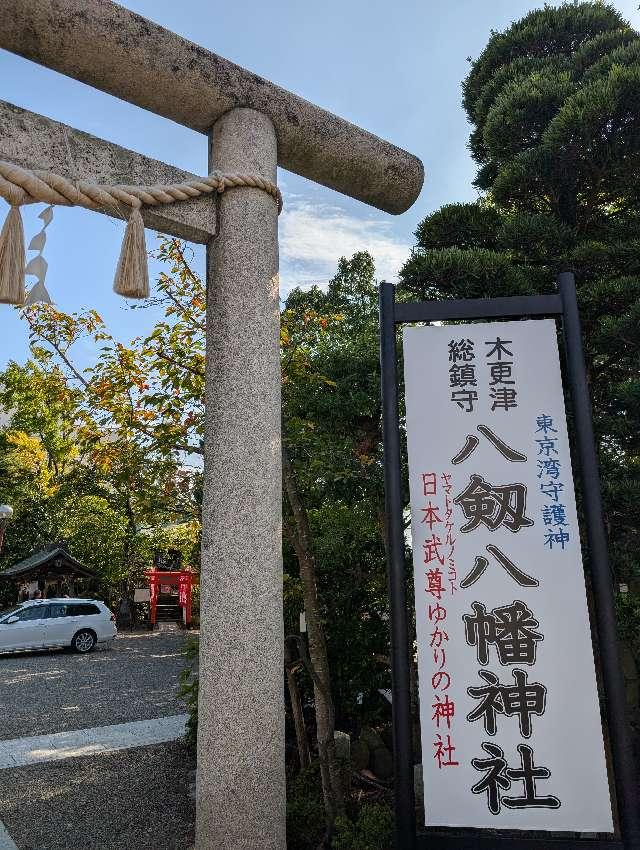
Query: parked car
[[47, 623]]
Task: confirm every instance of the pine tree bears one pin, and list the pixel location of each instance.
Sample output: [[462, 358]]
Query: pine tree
[[554, 102]]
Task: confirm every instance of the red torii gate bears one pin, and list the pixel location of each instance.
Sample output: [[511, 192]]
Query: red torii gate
[[184, 580]]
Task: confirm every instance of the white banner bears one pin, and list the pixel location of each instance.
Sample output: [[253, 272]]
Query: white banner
[[511, 729]]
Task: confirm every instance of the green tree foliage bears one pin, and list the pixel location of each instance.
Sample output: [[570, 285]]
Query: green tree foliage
[[333, 510], [554, 103], [62, 475], [331, 409], [40, 463], [96, 533], [95, 456]]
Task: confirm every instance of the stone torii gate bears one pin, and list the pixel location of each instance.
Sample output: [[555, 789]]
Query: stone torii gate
[[252, 126]]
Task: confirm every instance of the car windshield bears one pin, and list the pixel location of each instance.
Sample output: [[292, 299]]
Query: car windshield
[[7, 612]]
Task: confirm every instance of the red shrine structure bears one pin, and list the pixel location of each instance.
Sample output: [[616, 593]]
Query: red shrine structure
[[164, 586], [161, 585]]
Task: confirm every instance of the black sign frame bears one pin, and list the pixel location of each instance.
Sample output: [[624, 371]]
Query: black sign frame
[[563, 306]]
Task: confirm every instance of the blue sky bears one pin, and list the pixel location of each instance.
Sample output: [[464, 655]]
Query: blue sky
[[394, 69]]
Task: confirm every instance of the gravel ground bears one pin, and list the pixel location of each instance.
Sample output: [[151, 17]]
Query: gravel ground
[[135, 679], [136, 799]]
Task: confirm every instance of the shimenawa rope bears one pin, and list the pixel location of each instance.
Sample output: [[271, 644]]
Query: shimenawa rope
[[20, 186]]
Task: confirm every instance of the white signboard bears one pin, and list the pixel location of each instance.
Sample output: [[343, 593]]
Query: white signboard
[[511, 729]]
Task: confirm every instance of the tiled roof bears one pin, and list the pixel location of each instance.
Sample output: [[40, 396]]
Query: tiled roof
[[39, 559]]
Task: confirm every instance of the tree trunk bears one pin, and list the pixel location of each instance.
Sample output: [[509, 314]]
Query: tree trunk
[[296, 709], [300, 534], [126, 605]]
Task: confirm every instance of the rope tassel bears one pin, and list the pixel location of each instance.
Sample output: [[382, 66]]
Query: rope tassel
[[132, 273], [22, 186], [12, 259]]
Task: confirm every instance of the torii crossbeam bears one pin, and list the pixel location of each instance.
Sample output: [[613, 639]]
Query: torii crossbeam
[[252, 126]]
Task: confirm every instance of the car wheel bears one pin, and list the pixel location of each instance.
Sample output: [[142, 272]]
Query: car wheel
[[83, 641]]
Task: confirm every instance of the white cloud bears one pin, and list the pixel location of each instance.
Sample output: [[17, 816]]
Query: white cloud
[[313, 237]]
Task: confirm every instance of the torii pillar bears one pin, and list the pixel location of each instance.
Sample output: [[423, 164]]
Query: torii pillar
[[253, 126]]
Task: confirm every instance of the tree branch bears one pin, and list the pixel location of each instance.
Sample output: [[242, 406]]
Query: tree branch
[[59, 352], [163, 356]]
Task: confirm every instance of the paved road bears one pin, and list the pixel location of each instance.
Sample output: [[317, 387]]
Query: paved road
[[137, 797], [136, 679]]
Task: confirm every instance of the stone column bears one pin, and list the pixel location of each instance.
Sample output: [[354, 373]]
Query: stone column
[[241, 780]]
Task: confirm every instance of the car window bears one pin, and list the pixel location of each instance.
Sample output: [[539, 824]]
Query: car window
[[82, 610], [33, 612], [59, 611]]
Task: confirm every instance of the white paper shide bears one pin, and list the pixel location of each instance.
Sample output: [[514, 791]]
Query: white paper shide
[[511, 728]]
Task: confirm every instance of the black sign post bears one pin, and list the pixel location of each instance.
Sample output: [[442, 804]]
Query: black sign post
[[563, 306]]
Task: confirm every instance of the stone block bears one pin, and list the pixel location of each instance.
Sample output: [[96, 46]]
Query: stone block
[[359, 755], [343, 745], [372, 739], [382, 763]]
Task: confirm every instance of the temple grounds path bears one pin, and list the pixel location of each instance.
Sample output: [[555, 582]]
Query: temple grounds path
[[83, 732]]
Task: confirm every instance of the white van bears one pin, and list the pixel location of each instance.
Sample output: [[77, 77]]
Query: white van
[[43, 623]]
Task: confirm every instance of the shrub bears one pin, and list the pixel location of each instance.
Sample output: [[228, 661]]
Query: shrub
[[372, 830], [628, 616], [188, 690], [305, 810]]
